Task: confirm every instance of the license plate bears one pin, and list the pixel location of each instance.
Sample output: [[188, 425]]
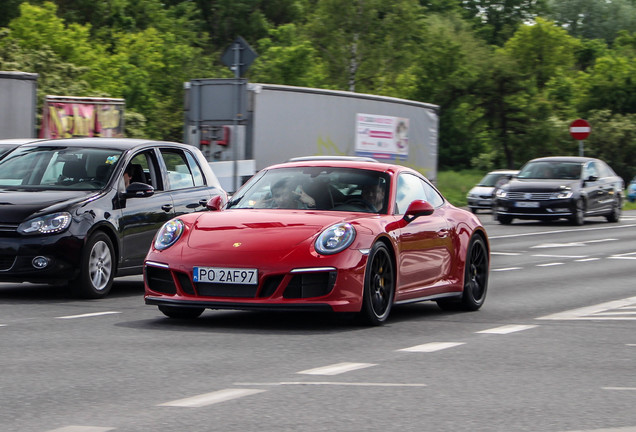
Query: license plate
[[530, 204], [484, 203], [225, 275]]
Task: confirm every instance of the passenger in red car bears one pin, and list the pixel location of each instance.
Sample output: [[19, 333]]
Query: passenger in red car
[[283, 196]]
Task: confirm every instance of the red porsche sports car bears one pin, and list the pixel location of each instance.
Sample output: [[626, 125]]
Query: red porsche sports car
[[342, 235]]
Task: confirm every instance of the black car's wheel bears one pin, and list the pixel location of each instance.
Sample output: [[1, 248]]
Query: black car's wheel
[[97, 268], [579, 213], [503, 219], [475, 279], [181, 312], [379, 286], [615, 214]]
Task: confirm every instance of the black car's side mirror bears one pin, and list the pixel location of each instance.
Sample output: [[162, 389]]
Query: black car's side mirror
[[139, 190], [591, 179], [418, 208]]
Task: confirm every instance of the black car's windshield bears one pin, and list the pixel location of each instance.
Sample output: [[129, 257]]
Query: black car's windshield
[[52, 167], [319, 188], [551, 170], [492, 179]]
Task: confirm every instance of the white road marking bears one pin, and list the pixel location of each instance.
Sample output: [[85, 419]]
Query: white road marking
[[591, 312], [550, 264], [618, 429], [507, 329], [622, 257], [211, 398], [620, 388], [432, 347], [506, 253], [507, 269], [561, 231], [587, 259], [600, 240], [557, 245], [559, 256], [328, 383], [82, 429], [87, 315], [336, 369]]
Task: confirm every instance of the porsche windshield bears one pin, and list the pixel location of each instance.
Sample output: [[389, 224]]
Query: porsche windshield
[[52, 167], [316, 188]]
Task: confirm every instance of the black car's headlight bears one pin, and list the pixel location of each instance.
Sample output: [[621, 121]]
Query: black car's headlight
[[335, 239], [168, 234], [49, 224], [564, 194], [501, 193]]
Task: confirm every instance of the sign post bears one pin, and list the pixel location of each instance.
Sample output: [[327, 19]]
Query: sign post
[[580, 129]]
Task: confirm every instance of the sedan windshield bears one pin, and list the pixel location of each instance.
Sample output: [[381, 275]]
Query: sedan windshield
[[319, 188], [551, 170], [53, 167]]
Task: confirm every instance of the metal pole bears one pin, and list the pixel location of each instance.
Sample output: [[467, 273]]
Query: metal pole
[[237, 105], [581, 142]]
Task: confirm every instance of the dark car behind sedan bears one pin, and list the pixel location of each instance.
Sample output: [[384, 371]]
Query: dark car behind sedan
[[561, 187], [67, 214]]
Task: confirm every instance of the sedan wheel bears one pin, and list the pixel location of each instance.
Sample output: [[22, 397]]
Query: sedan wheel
[[615, 215], [579, 215], [181, 312], [97, 268], [379, 286]]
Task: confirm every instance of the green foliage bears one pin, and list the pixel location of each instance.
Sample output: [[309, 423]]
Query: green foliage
[[454, 185]]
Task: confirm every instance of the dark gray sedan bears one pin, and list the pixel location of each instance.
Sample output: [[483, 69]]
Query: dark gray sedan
[[561, 187]]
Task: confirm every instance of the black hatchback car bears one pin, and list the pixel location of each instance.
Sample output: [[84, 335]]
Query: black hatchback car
[[561, 187], [82, 211]]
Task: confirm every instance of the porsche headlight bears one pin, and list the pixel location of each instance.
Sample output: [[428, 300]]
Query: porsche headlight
[[49, 224], [168, 234], [335, 239]]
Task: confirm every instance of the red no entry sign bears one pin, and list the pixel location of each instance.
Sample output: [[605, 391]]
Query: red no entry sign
[[580, 129]]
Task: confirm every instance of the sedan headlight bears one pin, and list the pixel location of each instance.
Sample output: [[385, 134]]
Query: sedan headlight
[[49, 224], [564, 194], [335, 239], [168, 235], [501, 193]]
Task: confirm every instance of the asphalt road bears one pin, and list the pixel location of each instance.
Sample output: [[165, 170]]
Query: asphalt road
[[553, 350]]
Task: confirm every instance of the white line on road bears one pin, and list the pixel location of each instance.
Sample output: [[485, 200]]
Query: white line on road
[[507, 269], [432, 347], [86, 315], [506, 253], [507, 329], [82, 429], [559, 256], [336, 369], [590, 311], [211, 398], [618, 429], [333, 383], [620, 388], [622, 257], [587, 259], [550, 264], [561, 231]]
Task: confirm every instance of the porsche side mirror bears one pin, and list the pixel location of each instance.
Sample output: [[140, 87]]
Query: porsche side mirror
[[418, 208], [216, 203], [139, 190]]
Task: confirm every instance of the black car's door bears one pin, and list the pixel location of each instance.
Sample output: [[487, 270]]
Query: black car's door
[[593, 187], [184, 180], [142, 217]]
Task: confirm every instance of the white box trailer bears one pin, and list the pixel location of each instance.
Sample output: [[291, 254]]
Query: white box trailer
[[243, 127], [18, 104]]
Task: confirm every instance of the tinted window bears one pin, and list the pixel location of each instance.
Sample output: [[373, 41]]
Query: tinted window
[[180, 175]]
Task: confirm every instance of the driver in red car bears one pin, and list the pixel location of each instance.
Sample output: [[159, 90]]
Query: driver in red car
[[374, 195], [283, 196]]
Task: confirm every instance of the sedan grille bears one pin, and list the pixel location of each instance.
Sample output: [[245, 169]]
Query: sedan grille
[[530, 196]]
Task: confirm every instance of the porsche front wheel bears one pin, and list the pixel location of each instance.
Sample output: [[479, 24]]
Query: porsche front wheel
[[379, 286], [181, 312]]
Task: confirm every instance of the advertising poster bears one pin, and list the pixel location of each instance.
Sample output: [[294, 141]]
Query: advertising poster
[[66, 117], [382, 137]]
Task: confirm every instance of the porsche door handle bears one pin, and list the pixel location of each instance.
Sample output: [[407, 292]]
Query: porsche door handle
[[443, 233], [167, 207]]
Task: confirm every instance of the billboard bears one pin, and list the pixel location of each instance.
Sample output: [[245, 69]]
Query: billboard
[[382, 137], [66, 117]]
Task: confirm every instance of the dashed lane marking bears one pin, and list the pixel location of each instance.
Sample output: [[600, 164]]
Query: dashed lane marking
[[507, 269], [432, 347], [620, 388], [561, 231], [211, 398], [620, 310], [587, 259], [507, 329], [560, 256], [336, 369], [618, 429], [334, 383], [506, 253], [87, 315], [82, 429], [550, 264]]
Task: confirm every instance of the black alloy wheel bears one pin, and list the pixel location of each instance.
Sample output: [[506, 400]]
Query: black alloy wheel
[[379, 286], [97, 268]]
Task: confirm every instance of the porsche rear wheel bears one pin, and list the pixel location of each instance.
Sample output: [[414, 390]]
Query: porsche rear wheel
[[475, 279], [181, 312], [379, 286]]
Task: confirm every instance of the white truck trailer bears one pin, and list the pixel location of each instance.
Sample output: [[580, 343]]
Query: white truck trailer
[[243, 127], [18, 102]]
